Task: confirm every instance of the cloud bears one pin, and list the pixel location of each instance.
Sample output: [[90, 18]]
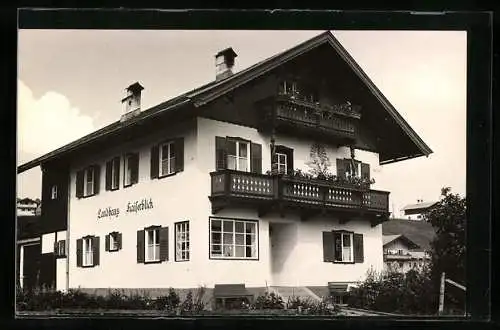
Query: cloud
[[47, 123]]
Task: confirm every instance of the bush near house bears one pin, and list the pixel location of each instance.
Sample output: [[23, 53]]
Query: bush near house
[[393, 292]]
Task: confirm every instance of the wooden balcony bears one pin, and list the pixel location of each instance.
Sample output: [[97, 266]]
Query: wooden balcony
[[286, 113], [308, 197]]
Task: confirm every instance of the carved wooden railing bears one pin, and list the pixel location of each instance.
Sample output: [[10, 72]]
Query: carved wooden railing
[[297, 190]]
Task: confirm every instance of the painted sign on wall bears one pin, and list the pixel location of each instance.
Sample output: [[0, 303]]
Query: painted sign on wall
[[132, 207]]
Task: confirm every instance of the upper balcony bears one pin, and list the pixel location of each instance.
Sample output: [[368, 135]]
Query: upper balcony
[[290, 112], [309, 197]]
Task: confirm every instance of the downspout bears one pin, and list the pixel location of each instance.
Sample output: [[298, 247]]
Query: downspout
[[67, 230]]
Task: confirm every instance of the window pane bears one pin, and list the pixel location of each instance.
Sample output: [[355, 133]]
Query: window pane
[[231, 148], [231, 162], [282, 168], [243, 164], [150, 237], [216, 238], [216, 249], [228, 239], [172, 150], [240, 252], [338, 247], [172, 165], [157, 252], [250, 227], [228, 226], [164, 151], [346, 254], [249, 239], [239, 227], [228, 250], [156, 236], [243, 149], [240, 239], [347, 240], [164, 166], [249, 252], [216, 225]]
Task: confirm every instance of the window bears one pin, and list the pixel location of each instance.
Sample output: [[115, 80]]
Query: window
[[233, 239], [60, 248], [182, 241], [53, 192], [338, 299], [89, 181], [354, 170], [131, 165], [152, 246], [167, 158], [238, 155], [113, 241], [281, 160], [88, 252], [343, 247]]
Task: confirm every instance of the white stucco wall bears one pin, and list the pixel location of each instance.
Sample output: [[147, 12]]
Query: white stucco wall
[[48, 241]]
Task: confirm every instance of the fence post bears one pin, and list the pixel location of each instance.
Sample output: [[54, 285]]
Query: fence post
[[441, 294]]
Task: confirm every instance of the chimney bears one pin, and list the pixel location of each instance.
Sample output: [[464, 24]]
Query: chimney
[[224, 62], [131, 103]]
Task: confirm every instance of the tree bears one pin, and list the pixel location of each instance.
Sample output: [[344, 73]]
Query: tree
[[448, 217], [319, 162]]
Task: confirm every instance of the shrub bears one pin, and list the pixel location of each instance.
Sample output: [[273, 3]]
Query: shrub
[[269, 301], [297, 302], [169, 302]]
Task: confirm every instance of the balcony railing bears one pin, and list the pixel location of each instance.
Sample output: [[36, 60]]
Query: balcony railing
[[302, 192]]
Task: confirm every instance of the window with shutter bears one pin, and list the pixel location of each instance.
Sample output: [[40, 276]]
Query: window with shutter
[[131, 172], [152, 244], [113, 241], [238, 155], [220, 153], [87, 252], [282, 162], [140, 246], [167, 158], [343, 246], [113, 173], [256, 158]]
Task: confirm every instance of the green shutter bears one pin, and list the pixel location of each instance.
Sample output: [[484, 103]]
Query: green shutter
[[116, 162], [134, 163], [163, 243], [256, 158], [96, 247], [155, 161], [140, 246], [79, 184], [220, 153], [358, 248], [79, 252], [328, 243]]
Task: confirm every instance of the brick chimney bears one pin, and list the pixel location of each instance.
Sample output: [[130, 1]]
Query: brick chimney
[[131, 103], [224, 62]]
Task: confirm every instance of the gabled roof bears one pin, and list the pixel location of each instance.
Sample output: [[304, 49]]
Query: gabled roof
[[215, 89], [420, 232], [386, 239], [419, 206]]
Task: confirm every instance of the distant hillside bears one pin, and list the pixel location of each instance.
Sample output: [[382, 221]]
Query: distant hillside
[[420, 232]]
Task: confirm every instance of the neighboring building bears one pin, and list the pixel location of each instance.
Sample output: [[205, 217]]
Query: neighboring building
[[406, 244], [178, 196], [402, 254], [416, 211], [27, 206]]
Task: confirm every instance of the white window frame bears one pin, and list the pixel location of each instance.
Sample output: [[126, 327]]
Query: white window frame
[[155, 246], [88, 252], [61, 251], [86, 182], [115, 182], [127, 173], [182, 236], [357, 171], [280, 164], [170, 160], [237, 157], [351, 255], [228, 250], [53, 192], [113, 242]]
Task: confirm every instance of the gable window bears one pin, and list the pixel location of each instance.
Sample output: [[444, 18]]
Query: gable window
[[237, 154], [182, 241], [113, 241], [87, 181], [282, 162], [343, 247], [53, 192], [233, 239], [167, 158], [113, 174], [87, 251], [131, 165]]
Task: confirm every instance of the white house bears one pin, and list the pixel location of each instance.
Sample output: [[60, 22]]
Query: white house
[[402, 254], [203, 189], [416, 211]]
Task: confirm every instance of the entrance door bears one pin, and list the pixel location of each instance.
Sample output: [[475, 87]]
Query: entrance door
[[31, 265]]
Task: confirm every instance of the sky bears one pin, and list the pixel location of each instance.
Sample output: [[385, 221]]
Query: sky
[[71, 82]]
